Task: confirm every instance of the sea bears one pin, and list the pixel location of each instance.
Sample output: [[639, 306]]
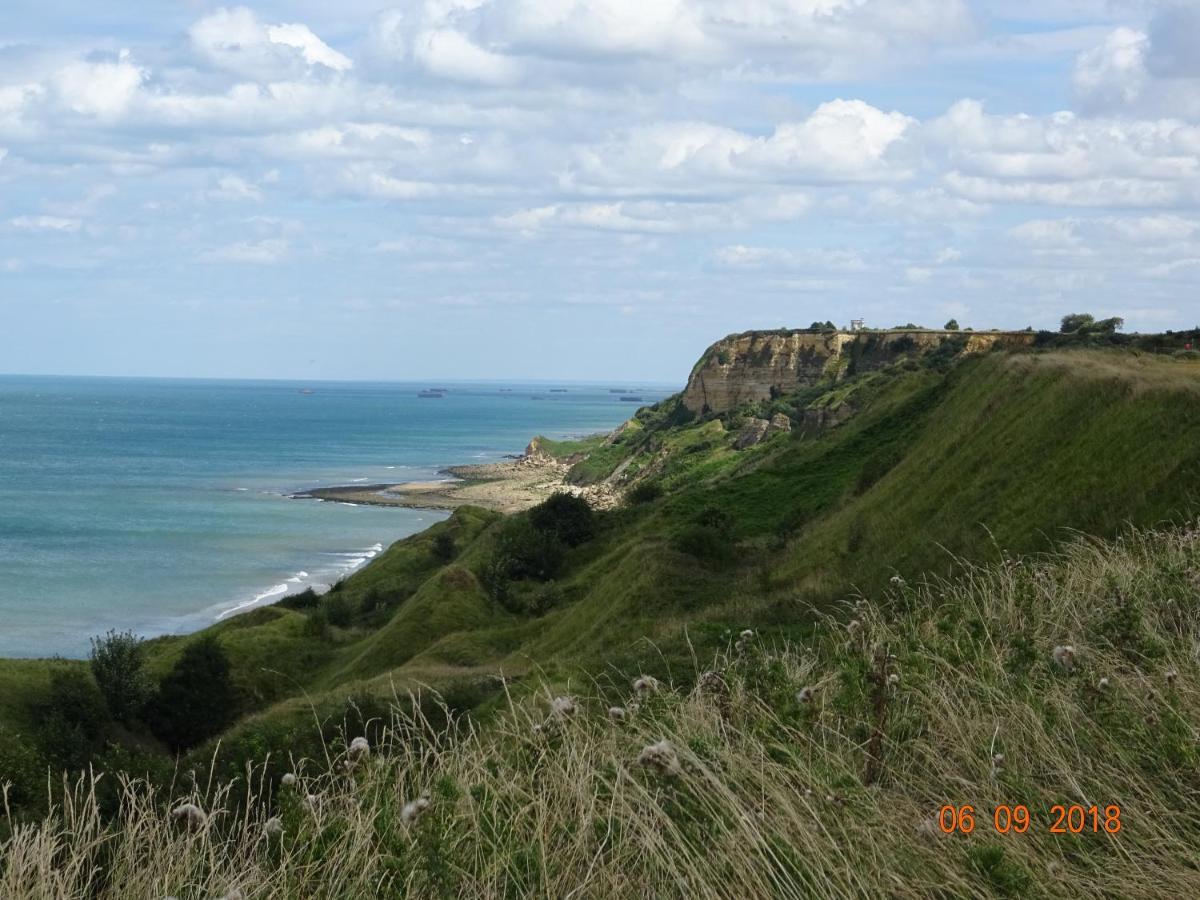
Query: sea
[[161, 506]]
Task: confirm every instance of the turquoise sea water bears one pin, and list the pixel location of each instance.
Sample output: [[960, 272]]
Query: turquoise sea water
[[160, 505]]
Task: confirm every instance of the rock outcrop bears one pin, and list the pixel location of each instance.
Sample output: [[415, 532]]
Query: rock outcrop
[[752, 433], [758, 365]]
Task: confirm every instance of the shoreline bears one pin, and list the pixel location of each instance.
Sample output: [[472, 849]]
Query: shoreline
[[509, 486]]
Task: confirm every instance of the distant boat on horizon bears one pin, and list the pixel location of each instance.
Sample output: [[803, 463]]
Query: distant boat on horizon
[[432, 394], [629, 398], [307, 391]]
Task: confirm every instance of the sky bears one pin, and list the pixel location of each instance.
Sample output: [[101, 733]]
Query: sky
[[583, 189]]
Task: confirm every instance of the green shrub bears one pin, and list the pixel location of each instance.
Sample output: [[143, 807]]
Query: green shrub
[[705, 542], [529, 552], [443, 547], [1186, 354], [338, 611], [196, 699], [565, 515], [646, 492], [306, 599], [117, 662], [71, 719]]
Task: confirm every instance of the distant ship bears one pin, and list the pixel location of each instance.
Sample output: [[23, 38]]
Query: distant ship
[[630, 398], [306, 391], [433, 393]]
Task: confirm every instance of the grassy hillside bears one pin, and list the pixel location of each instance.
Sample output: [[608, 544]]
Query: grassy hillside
[[922, 469], [768, 769]]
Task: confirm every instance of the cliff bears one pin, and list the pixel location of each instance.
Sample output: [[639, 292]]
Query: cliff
[[756, 365]]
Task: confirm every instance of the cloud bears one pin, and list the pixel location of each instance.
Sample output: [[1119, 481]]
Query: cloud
[[104, 89], [233, 187], [46, 223], [265, 252], [236, 40], [1065, 160], [449, 54], [1153, 71], [842, 140]]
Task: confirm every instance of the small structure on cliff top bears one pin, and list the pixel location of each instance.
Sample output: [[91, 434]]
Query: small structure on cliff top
[[857, 324]]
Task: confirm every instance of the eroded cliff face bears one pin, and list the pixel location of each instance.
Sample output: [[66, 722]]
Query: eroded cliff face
[[757, 365]]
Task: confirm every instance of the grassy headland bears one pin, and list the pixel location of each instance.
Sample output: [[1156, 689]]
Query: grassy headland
[[911, 499]]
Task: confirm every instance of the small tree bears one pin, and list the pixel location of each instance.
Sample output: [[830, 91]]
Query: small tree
[[196, 699], [1076, 322], [952, 325], [1110, 326], [117, 663]]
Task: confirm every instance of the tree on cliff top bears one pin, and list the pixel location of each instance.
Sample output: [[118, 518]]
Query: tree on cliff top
[[196, 698], [116, 661], [952, 325]]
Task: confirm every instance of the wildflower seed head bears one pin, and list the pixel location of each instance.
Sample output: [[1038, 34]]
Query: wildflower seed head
[[359, 747], [713, 682], [190, 814], [806, 694], [928, 828], [288, 779], [853, 627], [1172, 676], [562, 707], [747, 634], [617, 713], [645, 684], [997, 760], [273, 827], [894, 679], [660, 757], [1064, 657], [412, 810], [896, 580], [1102, 684]]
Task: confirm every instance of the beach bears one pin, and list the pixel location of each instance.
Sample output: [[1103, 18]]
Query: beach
[[509, 486]]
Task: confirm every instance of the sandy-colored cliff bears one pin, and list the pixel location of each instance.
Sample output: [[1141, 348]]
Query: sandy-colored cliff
[[757, 365]]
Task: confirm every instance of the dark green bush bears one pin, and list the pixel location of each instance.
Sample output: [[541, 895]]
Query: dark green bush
[[306, 599], [565, 515], [530, 552], [646, 492], [196, 699], [705, 542], [337, 609], [71, 718], [443, 547], [117, 661]]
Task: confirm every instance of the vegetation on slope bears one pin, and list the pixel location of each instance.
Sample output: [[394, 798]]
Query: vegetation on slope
[[813, 769]]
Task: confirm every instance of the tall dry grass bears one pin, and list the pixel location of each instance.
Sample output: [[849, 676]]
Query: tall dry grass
[[941, 693]]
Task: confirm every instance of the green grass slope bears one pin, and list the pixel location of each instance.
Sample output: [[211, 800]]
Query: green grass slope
[[767, 769]]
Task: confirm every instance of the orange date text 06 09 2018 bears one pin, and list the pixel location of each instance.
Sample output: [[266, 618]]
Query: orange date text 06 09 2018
[[1063, 819]]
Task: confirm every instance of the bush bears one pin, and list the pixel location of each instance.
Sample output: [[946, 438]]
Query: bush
[[646, 492], [71, 719], [117, 661], [196, 699], [952, 325], [706, 543], [443, 547], [530, 552], [1186, 355], [338, 611], [306, 599], [565, 515]]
